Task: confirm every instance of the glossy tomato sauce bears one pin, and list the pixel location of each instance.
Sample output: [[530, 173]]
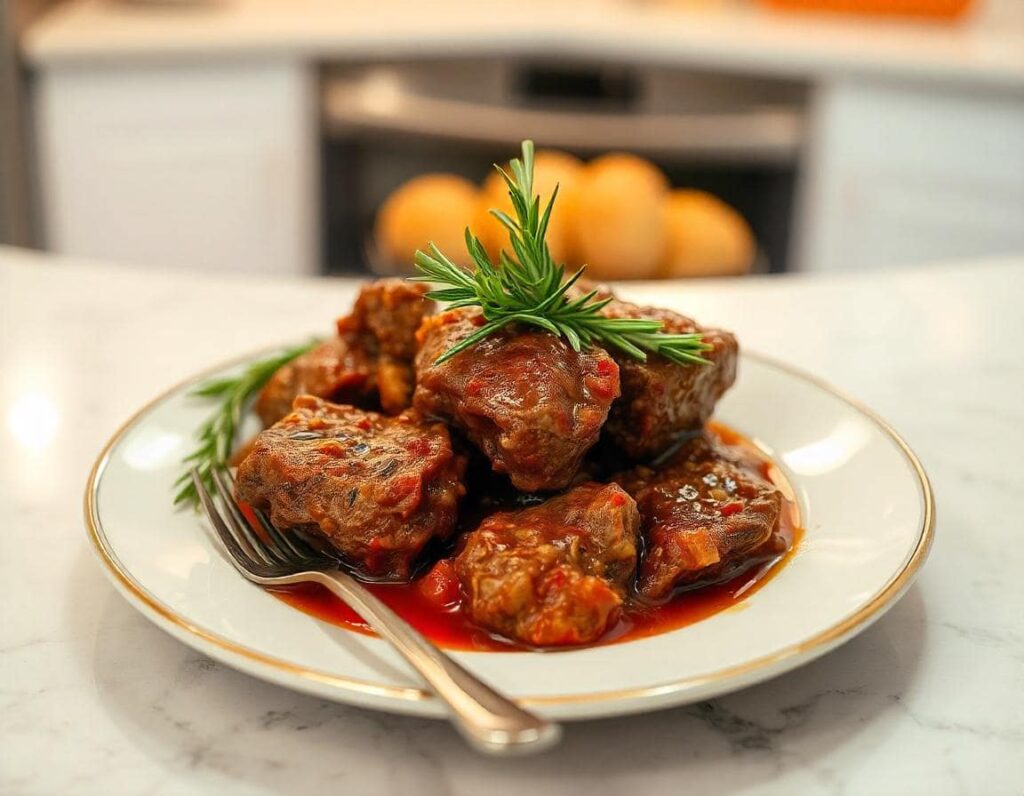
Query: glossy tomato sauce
[[434, 608]]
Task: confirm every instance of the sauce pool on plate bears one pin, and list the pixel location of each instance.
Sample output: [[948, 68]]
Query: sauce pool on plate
[[433, 608]]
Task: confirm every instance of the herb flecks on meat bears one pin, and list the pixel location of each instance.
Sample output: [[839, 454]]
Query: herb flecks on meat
[[377, 488]]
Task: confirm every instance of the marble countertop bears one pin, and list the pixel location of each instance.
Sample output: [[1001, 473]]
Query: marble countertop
[[96, 700], [987, 48]]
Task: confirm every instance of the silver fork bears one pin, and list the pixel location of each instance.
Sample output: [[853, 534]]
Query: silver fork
[[492, 723]]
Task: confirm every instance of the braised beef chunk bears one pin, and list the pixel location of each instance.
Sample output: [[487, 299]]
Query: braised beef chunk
[[369, 363], [525, 398], [555, 573], [661, 399], [387, 313], [339, 369], [377, 488], [706, 516], [390, 311]]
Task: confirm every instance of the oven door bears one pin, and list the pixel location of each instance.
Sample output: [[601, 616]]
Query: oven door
[[737, 138]]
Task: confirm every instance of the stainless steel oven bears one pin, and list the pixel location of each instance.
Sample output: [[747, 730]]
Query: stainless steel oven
[[737, 137]]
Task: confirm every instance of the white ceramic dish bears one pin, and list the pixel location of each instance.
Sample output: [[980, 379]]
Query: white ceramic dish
[[866, 506]]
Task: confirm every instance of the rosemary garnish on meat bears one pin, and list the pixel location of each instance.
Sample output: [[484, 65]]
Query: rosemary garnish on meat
[[529, 289], [216, 436]]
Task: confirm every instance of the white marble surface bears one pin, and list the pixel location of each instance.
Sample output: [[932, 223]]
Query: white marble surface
[[93, 699]]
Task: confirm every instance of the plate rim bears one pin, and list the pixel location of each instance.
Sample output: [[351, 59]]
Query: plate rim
[[765, 665]]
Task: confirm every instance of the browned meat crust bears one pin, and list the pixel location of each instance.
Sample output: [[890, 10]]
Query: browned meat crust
[[390, 311], [555, 573], [387, 314], [339, 369], [377, 488], [525, 398], [706, 516], [368, 364], [661, 399]]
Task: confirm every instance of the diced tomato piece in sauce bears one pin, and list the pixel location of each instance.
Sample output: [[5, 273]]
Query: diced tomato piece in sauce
[[418, 447], [731, 508], [440, 585]]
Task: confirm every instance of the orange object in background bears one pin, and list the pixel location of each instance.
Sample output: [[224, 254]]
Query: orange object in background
[[550, 168], [620, 229], [706, 237], [429, 208], [930, 9], [617, 215]]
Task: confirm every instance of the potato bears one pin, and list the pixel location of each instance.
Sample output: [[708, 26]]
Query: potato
[[550, 168], [431, 208], [620, 229], [706, 237]]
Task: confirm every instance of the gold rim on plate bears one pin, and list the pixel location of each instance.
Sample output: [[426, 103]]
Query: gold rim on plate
[[824, 640]]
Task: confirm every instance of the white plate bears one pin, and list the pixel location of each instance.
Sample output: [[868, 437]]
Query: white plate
[[866, 506]]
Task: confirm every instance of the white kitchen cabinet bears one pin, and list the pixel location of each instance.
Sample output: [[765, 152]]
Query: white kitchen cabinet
[[910, 173], [198, 165]]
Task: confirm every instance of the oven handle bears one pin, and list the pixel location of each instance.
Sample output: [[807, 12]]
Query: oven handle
[[758, 134]]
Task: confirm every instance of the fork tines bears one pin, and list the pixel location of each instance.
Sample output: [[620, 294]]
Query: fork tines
[[263, 556]]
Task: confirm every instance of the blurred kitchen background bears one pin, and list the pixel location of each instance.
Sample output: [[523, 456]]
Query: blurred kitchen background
[[688, 138]]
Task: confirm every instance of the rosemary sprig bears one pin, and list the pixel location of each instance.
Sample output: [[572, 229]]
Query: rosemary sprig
[[528, 288], [216, 436]]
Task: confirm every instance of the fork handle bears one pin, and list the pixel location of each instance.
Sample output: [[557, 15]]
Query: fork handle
[[490, 722]]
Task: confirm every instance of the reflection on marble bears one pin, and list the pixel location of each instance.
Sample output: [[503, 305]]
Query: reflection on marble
[[32, 420], [96, 700]]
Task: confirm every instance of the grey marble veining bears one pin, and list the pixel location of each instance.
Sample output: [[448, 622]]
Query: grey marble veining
[[94, 699]]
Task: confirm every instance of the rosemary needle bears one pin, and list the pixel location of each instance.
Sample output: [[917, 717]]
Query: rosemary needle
[[216, 435], [529, 289]]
